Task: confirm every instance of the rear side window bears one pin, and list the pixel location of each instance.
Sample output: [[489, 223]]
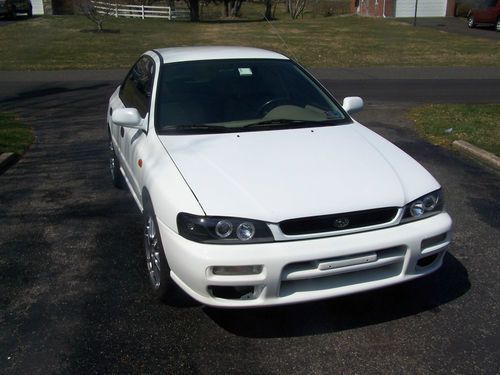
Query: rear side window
[[136, 90]]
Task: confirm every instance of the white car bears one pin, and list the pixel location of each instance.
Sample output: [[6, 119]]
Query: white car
[[258, 188]]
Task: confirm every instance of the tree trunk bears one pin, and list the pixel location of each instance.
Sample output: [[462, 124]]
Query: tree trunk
[[296, 8], [269, 8], [194, 10], [237, 7]]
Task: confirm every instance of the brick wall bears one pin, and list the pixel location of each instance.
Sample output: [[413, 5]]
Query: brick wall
[[450, 8], [373, 8]]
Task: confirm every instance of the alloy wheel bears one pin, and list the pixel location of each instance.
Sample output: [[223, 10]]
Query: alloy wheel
[[152, 248]]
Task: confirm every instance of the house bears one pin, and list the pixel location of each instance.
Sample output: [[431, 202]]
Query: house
[[403, 8]]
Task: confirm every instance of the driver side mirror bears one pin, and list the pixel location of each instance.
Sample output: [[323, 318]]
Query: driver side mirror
[[352, 104], [128, 118]]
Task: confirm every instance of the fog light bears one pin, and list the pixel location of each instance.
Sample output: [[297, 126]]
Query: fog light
[[233, 292], [236, 270], [427, 261]]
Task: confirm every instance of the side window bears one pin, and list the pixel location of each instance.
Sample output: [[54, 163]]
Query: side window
[[137, 88]]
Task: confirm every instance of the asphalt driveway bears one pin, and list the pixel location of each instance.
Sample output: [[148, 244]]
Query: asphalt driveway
[[73, 287], [455, 25]]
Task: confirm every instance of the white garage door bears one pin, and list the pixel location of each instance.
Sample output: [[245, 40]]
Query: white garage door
[[37, 6], [426, 8]]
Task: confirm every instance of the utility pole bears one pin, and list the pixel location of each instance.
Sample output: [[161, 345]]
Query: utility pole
[[416, 9]]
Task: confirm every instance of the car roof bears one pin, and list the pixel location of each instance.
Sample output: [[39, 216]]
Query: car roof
[[179, 54]]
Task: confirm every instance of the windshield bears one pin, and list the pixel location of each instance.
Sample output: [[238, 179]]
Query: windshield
[[238, 95]]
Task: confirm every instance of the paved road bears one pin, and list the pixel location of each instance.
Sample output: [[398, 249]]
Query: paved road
[[73, 289], [19, 18]]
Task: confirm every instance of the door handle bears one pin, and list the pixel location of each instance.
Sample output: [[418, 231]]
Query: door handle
[[122, 132]]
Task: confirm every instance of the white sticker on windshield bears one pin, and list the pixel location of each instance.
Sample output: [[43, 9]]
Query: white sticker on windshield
[[245, 71]]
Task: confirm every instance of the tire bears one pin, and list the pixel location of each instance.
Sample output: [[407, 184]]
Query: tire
[[497, 26], [157, 266], [114, 167], [11, 15], [30, 11], [471, 22]]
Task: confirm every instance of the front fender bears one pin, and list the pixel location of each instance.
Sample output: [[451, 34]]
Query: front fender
[[165, 186]]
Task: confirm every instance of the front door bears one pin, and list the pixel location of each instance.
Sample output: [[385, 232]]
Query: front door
[[135, 92]]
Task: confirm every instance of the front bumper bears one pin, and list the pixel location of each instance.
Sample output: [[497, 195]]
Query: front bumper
[[299, 271]]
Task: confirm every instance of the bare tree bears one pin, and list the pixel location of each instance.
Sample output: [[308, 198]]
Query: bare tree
[[232, 8], [143, 2], [171, 4], [97, 11], [269, 9], [194, 9], [296, 7]]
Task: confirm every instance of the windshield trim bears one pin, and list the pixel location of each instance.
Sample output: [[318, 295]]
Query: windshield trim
[[205, 129]]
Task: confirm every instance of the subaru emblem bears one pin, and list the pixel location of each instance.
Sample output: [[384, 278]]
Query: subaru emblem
[[341, 222]]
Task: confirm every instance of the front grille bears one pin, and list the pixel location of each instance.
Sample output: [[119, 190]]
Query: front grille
[[303, 277], [337, 222]]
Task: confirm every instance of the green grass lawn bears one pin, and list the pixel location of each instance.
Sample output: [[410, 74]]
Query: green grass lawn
[[478, 124], [57, 42], [14, 136]]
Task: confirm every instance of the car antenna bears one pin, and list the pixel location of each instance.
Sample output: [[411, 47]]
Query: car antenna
[[275, 31]]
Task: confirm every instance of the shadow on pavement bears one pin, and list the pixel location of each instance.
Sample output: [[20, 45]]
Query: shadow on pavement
[[43, 92], [350, 312]]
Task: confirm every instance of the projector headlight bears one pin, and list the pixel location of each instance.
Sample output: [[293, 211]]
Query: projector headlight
[[222, 230], [427, 205]]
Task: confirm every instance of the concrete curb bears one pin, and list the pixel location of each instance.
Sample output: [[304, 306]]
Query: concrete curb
[[6, 160], [478, 153]]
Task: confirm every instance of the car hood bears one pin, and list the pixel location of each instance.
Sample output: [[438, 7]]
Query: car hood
[[283, 174]]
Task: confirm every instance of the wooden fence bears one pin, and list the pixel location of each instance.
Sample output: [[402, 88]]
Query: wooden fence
[[140, 11]]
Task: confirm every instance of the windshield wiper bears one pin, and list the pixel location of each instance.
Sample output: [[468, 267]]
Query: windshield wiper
[[274, 122], [196, 128]]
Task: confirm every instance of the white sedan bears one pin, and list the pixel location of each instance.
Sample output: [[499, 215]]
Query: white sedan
[[257, 188]]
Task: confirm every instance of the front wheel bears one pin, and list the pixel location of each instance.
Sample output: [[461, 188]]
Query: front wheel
[[30, 11], [11, 14], [497, 26], [471, 22], [156, 263]]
